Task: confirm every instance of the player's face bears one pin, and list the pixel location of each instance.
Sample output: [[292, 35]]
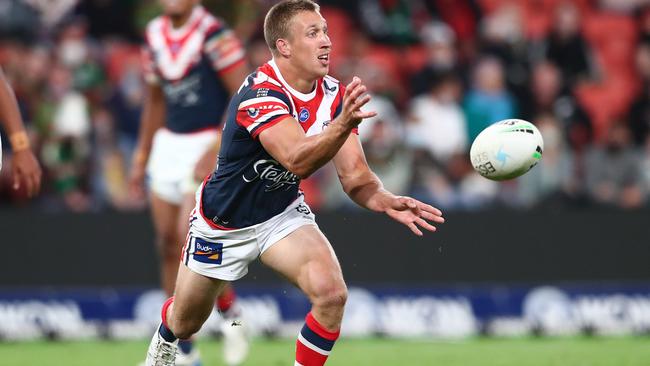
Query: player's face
[[310, 44], [177, 7]]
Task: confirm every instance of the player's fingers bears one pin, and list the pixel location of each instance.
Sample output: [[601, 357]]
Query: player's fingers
[[429, 216], [414, 229], [363, 115], [348, 89], [425, 224], [410, 203], [360, 102], [429, 208], [356, 93]]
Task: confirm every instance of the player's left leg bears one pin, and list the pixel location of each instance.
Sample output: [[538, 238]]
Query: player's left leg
[[306, 258]]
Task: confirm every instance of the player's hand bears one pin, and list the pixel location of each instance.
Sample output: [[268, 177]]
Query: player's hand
[[414, 214], [26, 172], [354, 98], [136, 177], [205, 165]]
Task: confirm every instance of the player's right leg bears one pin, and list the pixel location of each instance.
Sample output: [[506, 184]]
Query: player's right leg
[[182, 315], [235, 339]]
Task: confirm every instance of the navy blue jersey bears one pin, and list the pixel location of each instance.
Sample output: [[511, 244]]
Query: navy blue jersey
[[187, 63], [249, 186]]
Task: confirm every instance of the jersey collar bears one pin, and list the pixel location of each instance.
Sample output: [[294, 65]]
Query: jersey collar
[[302, 96]]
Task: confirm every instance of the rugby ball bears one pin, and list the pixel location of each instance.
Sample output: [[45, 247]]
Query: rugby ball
[[506, 149]]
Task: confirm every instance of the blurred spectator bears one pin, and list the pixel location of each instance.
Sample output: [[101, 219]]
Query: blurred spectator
[[439, 42], [18, 20], [382, 142], [548, 95], [437, 123], [614, 175], [109, 18], [639, 116], [567, 47], [391, 21], [487, 101], [66, 149], [374, 64], [502, 36]]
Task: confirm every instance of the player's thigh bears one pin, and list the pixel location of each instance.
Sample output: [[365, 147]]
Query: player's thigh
[[306, 258], [194, 296]]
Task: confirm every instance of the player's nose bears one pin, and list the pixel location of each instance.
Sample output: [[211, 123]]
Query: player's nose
[[325, 41]]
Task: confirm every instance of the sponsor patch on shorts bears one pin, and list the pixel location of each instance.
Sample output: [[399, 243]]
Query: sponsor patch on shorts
[[206, 252]]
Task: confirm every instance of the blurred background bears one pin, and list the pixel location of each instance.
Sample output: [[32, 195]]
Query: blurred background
[[565, 249]]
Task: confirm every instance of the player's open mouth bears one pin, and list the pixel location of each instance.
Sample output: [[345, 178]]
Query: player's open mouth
[[324, 59]]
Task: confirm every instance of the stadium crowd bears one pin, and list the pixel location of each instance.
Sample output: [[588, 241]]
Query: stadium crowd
[[440, 71]]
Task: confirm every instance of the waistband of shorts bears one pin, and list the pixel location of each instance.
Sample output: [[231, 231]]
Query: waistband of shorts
[[293, 204]]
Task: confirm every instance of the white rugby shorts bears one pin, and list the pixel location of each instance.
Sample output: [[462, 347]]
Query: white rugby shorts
[[172, 160], [225, 254]]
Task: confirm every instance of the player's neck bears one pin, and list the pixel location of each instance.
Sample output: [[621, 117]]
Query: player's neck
[[292, 76], [179, 20]]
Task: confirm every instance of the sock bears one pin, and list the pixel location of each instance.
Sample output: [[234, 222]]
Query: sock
[[164, 330], [185, 345], [225, 302], [314, 343]]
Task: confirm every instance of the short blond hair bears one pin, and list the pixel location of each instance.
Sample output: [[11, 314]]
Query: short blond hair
[[278, 19]]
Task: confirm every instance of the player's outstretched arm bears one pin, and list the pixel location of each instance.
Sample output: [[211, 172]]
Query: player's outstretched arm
[[25, 168], [365, 188], [301, 155]]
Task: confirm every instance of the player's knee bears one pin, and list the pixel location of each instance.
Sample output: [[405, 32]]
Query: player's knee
[[333, 297]]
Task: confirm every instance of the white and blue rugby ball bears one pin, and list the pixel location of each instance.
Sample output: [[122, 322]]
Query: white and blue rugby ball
[[506, 149]]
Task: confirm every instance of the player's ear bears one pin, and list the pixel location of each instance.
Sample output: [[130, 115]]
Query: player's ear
[[283, 46]]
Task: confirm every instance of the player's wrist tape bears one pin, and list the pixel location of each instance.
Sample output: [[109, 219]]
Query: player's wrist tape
[[19, 141]]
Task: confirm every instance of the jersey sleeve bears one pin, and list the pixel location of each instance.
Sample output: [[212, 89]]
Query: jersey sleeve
[[337, 107], [261, 108], [223, 48]]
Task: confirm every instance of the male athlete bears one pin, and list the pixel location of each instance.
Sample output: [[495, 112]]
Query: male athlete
[[287, 120], [192, 64], [24, 166]]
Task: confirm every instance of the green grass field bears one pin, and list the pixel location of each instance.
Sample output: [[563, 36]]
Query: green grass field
[[371, 352]]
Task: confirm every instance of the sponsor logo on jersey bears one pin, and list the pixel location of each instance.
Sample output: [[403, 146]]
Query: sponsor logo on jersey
[[206, 252], [303, 116], [262, 92], [275, 174]]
